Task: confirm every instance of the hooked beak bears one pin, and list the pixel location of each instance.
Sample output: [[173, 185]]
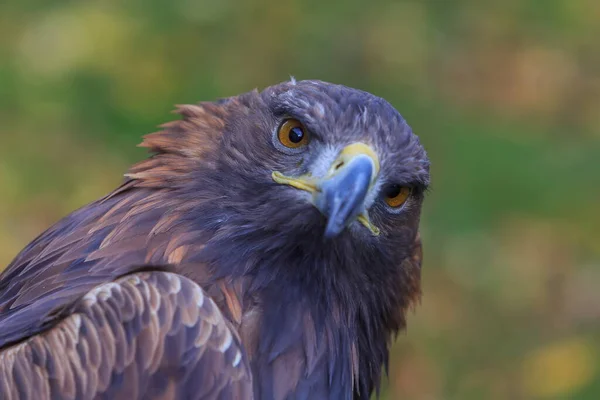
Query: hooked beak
[[341, 194]]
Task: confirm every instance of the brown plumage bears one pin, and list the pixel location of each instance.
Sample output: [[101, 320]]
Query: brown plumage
[[204, 277], [123, 338]]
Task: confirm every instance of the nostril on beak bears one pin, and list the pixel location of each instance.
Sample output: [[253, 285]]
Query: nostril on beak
[[339, 165]]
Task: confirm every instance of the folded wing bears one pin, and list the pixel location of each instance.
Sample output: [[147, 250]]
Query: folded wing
[[148, 335]]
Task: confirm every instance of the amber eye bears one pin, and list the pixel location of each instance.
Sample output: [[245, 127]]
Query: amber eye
[[292, 134], [396, 195]]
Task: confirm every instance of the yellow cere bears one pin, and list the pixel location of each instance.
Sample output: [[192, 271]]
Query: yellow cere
[[302, 183], [356, 149]]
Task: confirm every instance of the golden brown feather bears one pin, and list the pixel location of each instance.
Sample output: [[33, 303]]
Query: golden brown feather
[[147, 335]]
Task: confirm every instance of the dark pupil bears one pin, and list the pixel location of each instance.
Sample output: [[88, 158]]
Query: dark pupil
[[296, 135], [393, 191]]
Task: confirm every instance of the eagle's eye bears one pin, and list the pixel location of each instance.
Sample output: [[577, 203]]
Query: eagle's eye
[[395, 195], [292, 134]]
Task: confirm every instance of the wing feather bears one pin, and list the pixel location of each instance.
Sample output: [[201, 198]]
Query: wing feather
[[93, 245], [148, 335]]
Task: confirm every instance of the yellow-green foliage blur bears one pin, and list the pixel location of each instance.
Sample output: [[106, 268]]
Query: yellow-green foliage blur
[[505, 96]]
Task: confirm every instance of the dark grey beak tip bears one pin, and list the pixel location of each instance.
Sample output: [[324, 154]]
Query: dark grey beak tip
[[332, 231], [343, 196]]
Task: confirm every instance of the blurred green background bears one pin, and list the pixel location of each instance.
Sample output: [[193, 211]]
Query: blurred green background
[[505, 96]]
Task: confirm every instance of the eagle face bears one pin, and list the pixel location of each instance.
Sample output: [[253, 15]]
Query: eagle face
[[314, 164]]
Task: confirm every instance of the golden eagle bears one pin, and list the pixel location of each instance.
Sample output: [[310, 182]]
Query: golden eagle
[[268, 249]]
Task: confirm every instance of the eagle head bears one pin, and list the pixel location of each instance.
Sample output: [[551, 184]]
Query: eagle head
[[305, 165]]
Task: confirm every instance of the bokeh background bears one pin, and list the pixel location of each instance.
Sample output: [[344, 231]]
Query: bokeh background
[[505, 96]]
